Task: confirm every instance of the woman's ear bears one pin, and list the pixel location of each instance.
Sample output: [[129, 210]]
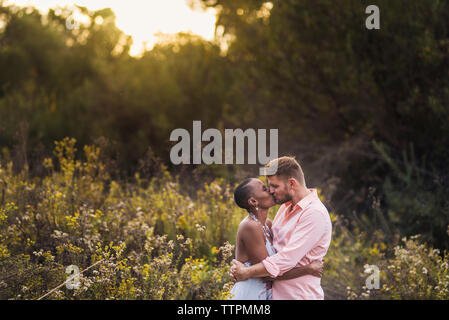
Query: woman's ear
[[252, 202]]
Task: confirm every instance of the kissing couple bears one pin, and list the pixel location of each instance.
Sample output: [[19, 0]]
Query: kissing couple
[[280, 259]]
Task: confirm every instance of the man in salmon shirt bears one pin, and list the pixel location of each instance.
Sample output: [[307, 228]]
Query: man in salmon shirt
[[302, 233]]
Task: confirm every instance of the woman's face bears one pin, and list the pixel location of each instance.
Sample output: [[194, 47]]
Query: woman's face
[[261, 193]]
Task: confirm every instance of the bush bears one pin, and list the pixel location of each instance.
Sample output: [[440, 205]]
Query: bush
[[153, 242], [149, 240]]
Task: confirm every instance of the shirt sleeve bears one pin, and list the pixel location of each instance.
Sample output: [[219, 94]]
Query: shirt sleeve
[[308, 231]]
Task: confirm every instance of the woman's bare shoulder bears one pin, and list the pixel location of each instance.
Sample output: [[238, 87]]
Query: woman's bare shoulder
[[249, 226]]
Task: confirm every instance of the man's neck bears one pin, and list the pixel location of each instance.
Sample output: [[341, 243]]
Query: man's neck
[[298, 196]]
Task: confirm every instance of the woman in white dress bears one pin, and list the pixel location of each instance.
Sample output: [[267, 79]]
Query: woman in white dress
[[254, 241]]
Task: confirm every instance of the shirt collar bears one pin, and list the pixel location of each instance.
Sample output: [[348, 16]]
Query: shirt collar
[[304, 202]]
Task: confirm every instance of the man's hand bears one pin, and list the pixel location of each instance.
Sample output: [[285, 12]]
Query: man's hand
[[238, 271], [315, 268]]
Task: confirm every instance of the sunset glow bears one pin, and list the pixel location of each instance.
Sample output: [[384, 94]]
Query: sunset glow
[[143, 19]]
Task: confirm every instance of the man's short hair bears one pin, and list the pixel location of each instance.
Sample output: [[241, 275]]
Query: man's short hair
[[288, 167]]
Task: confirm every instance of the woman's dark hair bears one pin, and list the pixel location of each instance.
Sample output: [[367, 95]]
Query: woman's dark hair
[[242, 193]]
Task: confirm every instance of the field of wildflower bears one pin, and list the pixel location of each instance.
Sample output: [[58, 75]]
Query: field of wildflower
[[149, 240]]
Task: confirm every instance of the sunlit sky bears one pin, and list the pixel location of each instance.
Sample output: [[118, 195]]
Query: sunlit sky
[[142, 19]]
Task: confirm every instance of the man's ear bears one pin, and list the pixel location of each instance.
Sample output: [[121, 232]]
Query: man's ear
[[292, 182]]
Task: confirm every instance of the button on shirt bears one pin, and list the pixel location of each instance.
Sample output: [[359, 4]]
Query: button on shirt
[[301, 235]]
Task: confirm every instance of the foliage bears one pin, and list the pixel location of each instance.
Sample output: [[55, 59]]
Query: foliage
[[415, 199], [333, 87], [408, 269], [415, 271], [57, 82], [309, 68], [153, 241]]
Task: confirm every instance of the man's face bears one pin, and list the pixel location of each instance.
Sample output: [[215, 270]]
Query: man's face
[[278, 189]]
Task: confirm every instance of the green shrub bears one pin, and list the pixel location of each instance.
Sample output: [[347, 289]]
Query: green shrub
[[149, 240]]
